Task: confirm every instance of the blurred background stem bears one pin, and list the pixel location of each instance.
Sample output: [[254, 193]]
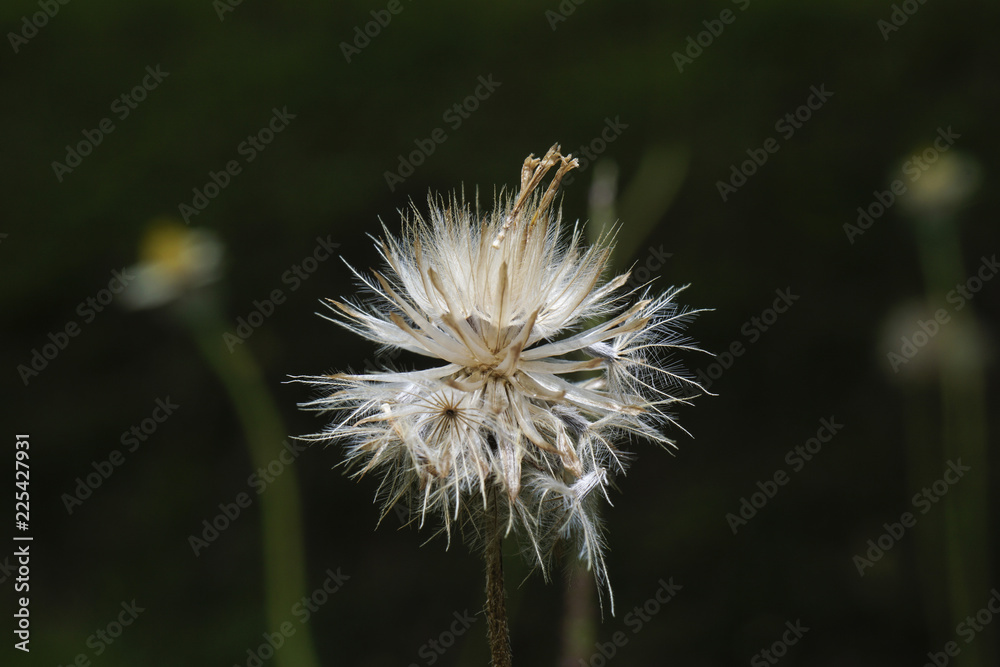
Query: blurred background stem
[[280, 511], [643, 205], [965, 535]]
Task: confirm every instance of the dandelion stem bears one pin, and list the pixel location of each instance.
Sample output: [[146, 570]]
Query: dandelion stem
[[496, 604]]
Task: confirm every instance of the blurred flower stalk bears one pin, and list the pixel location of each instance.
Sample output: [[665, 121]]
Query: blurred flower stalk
[[954, 358], [176, 263], [645, 201]]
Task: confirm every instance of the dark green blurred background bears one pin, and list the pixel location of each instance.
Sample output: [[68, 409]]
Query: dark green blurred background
[[324, 174]]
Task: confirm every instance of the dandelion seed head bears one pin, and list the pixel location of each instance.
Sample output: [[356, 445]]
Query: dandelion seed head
[[540, 366]]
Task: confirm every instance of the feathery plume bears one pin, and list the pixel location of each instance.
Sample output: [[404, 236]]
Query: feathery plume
[[540, 367]]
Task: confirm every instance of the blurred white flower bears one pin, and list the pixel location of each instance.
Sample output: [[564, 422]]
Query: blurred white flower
[[947, 184], [921, 343], [174, 260], [529, 398]]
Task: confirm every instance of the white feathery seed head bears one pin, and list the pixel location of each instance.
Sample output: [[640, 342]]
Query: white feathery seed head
[[539, 367]]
